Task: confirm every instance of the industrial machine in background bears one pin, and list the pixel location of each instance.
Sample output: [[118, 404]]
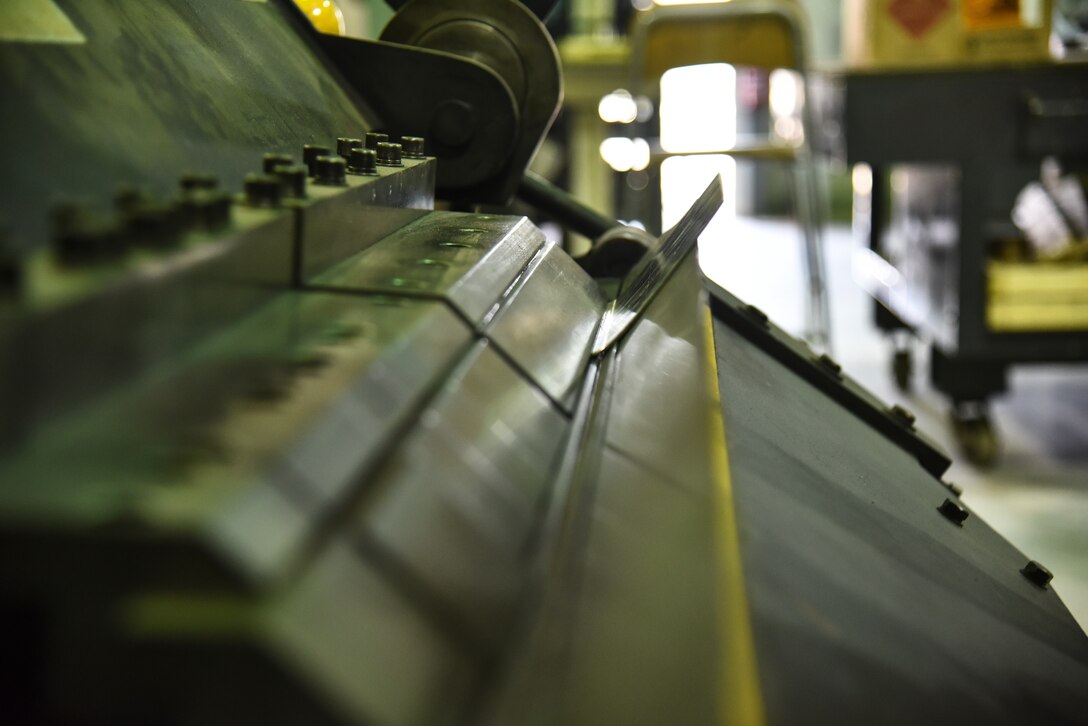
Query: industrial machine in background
[[939, 201], [281, 442]]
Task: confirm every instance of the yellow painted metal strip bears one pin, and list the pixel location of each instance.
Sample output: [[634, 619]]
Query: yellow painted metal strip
[[741, 699]]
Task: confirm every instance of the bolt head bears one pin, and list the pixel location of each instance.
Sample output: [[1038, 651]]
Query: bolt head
[[152, 223], [363, 161], [293, 180], [329, 171], [263, 190], [902, 415], [413, 146], [344, 145], [1037, 574], [270, 162], [953, 512], [310, 152], [197, 180], [206, 208], [90, 241], [389, 154], [128, 198], [828, 364], [756, 314], [373, 138]]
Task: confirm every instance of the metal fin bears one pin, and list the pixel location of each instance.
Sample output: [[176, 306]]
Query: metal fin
[[655, 269]]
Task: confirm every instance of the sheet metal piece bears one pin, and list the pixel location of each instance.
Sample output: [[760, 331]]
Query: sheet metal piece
[[467, 259], [643, 642], [528, 297], [337, 222], [358, 640], [825, 375], [458, 500], [547, 322], [650, 577], [627, 628], [81, 332], [342, 646], [867, 604], [646, 402], [643, 282], [280, 393]]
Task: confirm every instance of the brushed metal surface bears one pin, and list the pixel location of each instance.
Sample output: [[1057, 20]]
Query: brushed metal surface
[[467, 259], [459, 498], [547, 322]]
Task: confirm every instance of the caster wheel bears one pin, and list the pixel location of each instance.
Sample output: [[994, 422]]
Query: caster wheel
[[976, 438], [902, 370]]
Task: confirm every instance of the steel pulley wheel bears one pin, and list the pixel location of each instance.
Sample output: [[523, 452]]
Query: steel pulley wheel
[[505, 37]]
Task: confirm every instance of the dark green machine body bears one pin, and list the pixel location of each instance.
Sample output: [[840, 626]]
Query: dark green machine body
[[347, 459]]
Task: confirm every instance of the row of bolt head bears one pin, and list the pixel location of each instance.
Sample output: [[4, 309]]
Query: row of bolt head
[[1035, 573], [141, 220], [282, 178], [952, 511], [82, 237]]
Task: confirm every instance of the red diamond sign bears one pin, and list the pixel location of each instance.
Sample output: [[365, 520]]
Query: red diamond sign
[[917, 16]]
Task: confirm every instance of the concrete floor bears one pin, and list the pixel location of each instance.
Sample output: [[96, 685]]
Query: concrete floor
[[1036, 495]]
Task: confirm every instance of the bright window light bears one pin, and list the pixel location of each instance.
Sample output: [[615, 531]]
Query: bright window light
[[618, 107], [699, 108], [683, 179], [786, 92], [862, 178], [624, 154], [686, 2]]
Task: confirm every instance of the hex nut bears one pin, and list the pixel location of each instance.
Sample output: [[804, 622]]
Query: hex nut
[[191, 181], [1037, 574], [953, 512], [310, 152], [828, 364], [413, 147], [345, 144], [207, 209], [271, 162], [330, 170], [373, 138], [293, 180], [902, 415], [756, 314], [389, 154], [363, 161], [263, 190]]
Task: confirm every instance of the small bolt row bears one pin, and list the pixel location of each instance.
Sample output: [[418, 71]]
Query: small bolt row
[[951, 510], [141, 221], [282, 178], [954, 512]]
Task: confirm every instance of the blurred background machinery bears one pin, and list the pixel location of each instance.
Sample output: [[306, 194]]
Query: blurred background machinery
[[305, 421]]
